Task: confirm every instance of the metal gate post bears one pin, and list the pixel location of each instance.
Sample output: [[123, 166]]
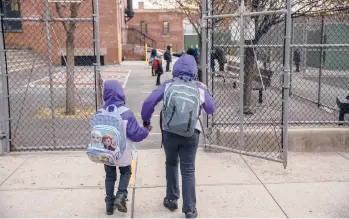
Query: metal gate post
[[242, 73], [204, 51], [286, 83], [321, 61], [49, 54], [4, 106], [98, 55]]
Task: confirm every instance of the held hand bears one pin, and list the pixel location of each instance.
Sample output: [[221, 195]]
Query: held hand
[[150, 127]]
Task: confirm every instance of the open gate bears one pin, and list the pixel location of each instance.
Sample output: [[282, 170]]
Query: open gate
[[247, 72]]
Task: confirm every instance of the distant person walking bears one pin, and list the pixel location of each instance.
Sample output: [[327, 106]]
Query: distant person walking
[[153, 56], [297, 59], [168, 58]]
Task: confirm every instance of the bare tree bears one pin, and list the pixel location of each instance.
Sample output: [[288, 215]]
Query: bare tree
[[193, 12], [70, 29], [192, 9]]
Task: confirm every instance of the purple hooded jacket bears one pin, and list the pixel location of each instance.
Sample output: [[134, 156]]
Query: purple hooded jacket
[[186, 68], [114, 94]]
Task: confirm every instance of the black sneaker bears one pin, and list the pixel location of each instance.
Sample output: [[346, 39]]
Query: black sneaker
[[120, 203], [110, 209], [192, 214], [170, 205]]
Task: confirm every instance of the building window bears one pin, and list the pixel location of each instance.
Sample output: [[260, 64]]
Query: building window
[[165, 28], [12, 10], [144, 27]]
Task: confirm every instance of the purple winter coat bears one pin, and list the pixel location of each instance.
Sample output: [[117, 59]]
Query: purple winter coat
[[186, 68], [114, 94]]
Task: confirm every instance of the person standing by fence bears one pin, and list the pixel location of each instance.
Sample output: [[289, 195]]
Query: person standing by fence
[[297, 59]]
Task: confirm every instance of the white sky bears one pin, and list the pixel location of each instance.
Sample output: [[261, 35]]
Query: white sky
[[147, 4]]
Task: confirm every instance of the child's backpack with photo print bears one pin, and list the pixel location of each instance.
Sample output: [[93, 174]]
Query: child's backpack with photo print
[[108, 138]]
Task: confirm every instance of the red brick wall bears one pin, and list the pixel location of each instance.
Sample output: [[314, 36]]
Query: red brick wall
[[155, 19], [33, 33]]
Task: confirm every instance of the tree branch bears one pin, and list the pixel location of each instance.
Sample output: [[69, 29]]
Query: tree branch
[[60, 13]]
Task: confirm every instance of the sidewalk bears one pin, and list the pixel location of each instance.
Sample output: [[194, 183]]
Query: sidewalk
[[67, 184]]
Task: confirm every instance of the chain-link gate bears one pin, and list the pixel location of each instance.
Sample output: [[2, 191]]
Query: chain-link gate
[[320, 60], [51, 58], [248, 77]]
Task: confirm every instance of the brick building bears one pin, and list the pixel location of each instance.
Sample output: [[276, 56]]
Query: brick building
[[163, 26], [32, 35]]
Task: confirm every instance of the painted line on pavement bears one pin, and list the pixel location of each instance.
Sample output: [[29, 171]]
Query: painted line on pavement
[[133, 166], [126, 79]]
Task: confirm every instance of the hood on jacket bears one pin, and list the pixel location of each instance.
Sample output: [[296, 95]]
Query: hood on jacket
[[185, 66], [113, 93]]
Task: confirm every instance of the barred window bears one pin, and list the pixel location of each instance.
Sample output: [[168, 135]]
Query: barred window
[[144, 27], [166, 28], [12, 10]]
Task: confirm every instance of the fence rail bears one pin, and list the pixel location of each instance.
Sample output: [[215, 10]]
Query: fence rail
[[50, 65]]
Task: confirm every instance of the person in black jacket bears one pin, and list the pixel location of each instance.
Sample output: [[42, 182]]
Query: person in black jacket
[[168, 58], [218, 54], [297, 59]]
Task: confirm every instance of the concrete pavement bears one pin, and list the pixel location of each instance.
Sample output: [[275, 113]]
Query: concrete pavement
[[67, 184]]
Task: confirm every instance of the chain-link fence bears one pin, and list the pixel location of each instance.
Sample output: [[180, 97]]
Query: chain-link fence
[[246, 78], [51, 72], [320, 60]]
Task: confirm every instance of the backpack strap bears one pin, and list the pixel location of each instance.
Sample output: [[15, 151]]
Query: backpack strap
[[162, 134], [122, 109]]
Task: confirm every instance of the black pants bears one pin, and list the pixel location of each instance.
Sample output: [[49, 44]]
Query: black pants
[[167, 66], [200, 75], [183, 149], [158, 79], [297, 66], [110, 179]]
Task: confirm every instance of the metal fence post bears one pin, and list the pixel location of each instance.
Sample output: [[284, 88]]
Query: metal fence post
[[204, 51], [49, 54], [321, 61], [291, 58], [242, 73], [4, 106], [286, 82], [98, 55]]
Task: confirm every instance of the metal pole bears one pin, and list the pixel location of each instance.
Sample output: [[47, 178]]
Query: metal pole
[[49, 54], [291, 59], [4, 106], [321, 62], [286, 83], [242, 73], [98, 54], [305, 42], [204, 51]]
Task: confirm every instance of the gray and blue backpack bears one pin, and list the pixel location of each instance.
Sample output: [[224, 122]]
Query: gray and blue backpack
[[181, 109], [108, 138]]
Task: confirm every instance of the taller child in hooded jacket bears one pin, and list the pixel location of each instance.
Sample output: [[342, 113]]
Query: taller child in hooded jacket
[[114, 95], [178, 146]]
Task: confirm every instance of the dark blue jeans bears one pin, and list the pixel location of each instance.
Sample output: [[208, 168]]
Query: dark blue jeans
[[110, 179], [167, 65], [183, 149]]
